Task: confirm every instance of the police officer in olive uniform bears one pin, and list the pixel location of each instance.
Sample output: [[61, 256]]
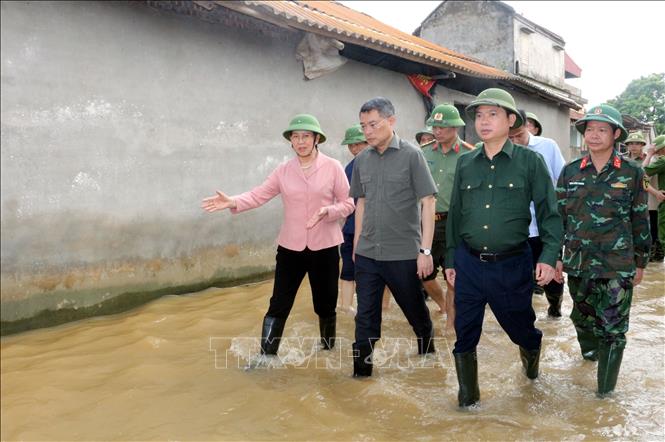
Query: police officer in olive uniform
[[442, 159], [603, 203], [488, 258], [425, 136]]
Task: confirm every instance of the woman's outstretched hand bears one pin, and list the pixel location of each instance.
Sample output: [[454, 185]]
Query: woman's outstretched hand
[[220, 201]]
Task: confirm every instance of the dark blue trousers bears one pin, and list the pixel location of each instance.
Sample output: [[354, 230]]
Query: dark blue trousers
[[400, 276], [506, 286]]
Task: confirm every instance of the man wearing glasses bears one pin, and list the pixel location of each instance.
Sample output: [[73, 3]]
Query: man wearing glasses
[[391, 181]]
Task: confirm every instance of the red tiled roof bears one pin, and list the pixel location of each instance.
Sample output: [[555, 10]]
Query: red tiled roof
[[335, 20]]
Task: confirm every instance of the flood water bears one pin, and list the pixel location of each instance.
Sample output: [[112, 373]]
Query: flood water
[[175, 370]]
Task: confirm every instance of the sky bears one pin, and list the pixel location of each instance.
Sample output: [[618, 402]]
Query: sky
[[614, 42]]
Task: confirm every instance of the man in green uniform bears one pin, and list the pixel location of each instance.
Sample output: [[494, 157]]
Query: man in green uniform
[[425, 136], [653, 168], [603, 203], [488, 258], [442, 159]]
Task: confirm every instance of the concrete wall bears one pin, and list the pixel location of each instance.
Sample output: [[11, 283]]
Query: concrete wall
[[117, 119], [481, 29], [537, 55]]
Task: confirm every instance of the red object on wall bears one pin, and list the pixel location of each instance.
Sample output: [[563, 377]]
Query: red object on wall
[[422, 83]]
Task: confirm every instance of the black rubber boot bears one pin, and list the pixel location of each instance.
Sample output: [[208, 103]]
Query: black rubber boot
[[327, 327], [362, 360], [609, 362], [466, 366], [271, 334], [530, 362], [657, 253], [426, 345], [588, 344], [554, 300]]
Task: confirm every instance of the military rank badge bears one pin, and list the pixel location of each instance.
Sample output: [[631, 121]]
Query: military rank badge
[[645, 182]]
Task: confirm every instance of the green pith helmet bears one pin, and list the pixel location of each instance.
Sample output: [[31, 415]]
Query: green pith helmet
[[445, 115], [495, 97], [426, 131], [606, 114], [534, 117], [636, 137], [354, 135], [659, 142], [304, 122]]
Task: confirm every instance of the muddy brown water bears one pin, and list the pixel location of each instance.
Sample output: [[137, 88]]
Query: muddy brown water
[[175, 370]]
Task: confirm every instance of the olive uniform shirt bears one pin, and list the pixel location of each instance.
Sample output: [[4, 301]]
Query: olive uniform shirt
[[605, 218], [490, 203], [392, 183], [442, 166]]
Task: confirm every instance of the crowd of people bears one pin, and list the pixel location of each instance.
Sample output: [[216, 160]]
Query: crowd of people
[[501, 220]]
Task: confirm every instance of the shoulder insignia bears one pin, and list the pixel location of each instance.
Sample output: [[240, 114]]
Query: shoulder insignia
[[645, 182]]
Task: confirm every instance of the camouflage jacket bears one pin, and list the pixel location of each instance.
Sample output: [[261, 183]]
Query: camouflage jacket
[[605, 218]]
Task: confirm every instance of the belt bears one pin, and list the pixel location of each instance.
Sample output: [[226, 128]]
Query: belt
[[494, 257], [440, 216]]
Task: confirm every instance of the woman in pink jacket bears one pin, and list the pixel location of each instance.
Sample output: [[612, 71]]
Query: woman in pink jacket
[[315, 194]]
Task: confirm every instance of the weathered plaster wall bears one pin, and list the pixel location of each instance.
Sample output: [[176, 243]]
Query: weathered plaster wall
[[538, 57], [117, 119], [480, 29]]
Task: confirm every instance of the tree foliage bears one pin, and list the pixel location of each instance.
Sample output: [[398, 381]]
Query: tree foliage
[[644, 99]]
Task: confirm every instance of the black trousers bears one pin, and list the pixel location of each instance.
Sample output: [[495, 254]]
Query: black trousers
[[506, 286], [402, 279], [322, 267]]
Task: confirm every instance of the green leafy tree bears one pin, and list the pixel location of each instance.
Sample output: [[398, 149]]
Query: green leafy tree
[[644, 99]]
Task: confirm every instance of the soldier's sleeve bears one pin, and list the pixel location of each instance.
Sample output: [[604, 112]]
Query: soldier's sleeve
[[561, 206], [639, 218], [453, 222], [547, 215], [656, 168]]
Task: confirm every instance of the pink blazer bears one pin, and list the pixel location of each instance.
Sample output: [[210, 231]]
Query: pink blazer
[[302, 197]]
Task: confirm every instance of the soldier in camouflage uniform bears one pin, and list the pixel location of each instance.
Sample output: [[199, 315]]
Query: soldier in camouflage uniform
[[603, 204]]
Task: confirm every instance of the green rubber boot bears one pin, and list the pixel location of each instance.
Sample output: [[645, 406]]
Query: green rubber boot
[[588, 344], [530, 361], [609, 362], [466, 366]]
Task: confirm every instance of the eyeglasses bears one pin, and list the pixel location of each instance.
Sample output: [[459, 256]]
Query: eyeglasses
[[372, 125], [301, 137]]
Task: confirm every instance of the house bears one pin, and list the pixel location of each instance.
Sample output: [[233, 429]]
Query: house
[[495, 34], [119, 117]]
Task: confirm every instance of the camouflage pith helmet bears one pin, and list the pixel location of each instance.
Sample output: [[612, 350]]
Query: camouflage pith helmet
[[659, 142], [426, 131], [636, 137], [606, 114], [354, 135], [445, 115], [304, 122], [536, 121], [495, 97]]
